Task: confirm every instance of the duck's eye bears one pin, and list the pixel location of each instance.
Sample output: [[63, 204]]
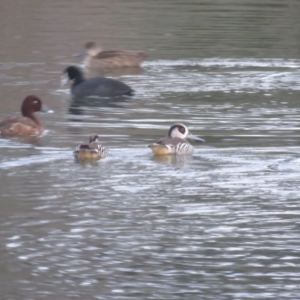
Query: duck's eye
[[181, 129]]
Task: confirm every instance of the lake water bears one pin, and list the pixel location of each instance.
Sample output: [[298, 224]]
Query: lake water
[[221, 225]]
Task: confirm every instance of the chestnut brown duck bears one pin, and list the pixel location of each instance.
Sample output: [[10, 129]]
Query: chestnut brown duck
[[27, 124], [95, 57]]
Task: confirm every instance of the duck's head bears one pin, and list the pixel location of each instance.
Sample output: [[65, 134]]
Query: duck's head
[[32, 104], [94, 138], [91, 49], [179, 130]]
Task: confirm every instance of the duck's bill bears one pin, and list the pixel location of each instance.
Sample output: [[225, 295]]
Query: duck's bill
[[64, 79], [80, 54], [46, 109], [195, 138]]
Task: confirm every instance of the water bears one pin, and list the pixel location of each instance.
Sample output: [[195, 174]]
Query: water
[[222, 225]]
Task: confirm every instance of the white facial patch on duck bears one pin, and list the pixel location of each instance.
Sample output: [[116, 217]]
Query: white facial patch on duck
[[176, 133]]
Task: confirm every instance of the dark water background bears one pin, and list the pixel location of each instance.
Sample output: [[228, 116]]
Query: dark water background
[[223, 225]]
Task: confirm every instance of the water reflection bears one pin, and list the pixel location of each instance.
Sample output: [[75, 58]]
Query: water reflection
[[220, 225], [85, 163], [78, 104], [176, 160], [117, 72]]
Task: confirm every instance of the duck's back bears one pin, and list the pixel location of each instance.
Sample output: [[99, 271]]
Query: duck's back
[[18, 126], [116, 58], [101, 86]]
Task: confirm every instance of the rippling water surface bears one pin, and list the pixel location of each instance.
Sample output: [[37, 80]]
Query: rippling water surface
[[221, 225]]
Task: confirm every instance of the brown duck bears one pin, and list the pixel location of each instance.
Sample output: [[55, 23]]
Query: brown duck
[[90, 151], [95, 57], [27, 124]]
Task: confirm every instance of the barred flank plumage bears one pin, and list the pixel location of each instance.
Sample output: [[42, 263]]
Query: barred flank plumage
[[184, 148], [180, 148], [102, 151]]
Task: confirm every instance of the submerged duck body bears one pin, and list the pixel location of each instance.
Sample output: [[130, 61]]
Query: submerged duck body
[[90, 151], [27, 124], [95, 57], [96, 86], [175, 142]]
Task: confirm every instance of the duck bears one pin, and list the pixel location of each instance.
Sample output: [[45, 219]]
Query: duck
[[175, 142], [96, 86], [27, 124], [90, 151], [95, 57]]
